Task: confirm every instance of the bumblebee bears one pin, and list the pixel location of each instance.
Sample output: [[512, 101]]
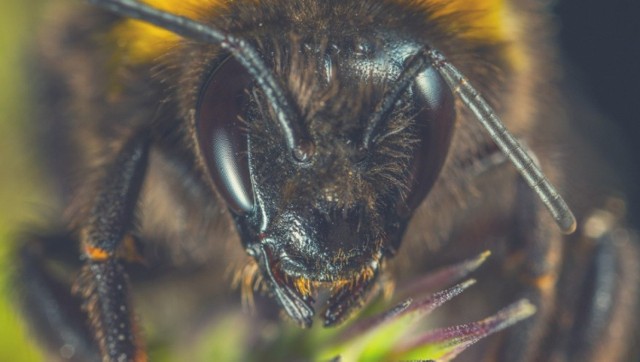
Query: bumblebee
[[318, 147]]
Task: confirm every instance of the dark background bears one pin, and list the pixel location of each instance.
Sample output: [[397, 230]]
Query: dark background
[[600, 41]]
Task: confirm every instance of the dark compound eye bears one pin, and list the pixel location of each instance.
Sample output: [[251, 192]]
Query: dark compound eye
[[435, 120], [222, 136]]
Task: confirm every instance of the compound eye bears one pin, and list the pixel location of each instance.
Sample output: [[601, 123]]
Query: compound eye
[[222, 135], [435, 119]]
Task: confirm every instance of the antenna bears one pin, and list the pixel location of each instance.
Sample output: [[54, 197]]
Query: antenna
[[507, 143]]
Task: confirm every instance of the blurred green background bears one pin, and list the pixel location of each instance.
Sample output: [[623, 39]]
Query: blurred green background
[[20, 190]]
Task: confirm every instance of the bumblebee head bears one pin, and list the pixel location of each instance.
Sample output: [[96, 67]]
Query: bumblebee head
[[371, 137]]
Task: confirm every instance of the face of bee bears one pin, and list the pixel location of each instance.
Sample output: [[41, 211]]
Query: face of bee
[[330, 219]]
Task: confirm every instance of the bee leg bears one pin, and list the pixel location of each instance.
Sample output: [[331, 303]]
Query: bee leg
[[103, 283], [46, 301], [539, 252], [598, 295]]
